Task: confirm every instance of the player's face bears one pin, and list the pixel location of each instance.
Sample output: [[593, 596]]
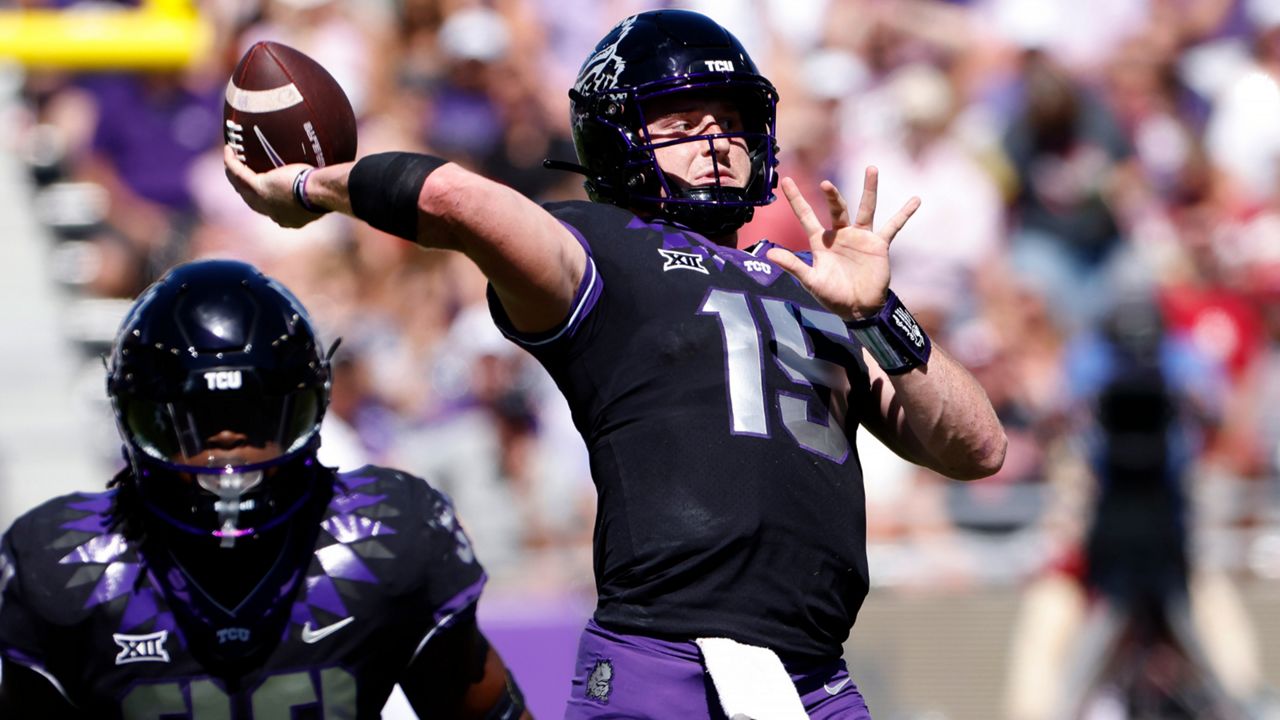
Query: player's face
[[229, 447], [698, 163]]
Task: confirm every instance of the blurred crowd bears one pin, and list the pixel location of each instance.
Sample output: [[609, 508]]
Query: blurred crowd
[[1074, 157]]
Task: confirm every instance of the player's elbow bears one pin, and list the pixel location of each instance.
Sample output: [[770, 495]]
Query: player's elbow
[[986, 458], [462, 210], [444, 203]]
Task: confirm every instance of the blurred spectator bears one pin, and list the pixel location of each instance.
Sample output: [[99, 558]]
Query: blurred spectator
[[465, 119], [1079, 35], [1263, 408], [1243, 137], [1161, 117], [1012, 501], [1151, 396], [954, 235], [1146, 397], [811, 119], [1205, 301], [149, 131], [1069, 158]]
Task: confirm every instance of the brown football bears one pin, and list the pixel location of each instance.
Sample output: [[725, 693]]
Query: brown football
[[282, 107]]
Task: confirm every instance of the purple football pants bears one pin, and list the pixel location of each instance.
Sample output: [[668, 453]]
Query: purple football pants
[[632, 676]]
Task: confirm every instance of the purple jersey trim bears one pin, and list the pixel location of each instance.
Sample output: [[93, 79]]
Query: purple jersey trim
[[584, 299]]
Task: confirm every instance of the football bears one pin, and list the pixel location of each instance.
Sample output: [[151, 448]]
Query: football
[[282, 107]]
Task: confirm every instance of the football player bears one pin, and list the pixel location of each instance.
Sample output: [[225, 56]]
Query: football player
[[226, 573], [718, 390]]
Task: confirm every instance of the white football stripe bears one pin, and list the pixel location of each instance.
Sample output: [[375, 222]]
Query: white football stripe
[[262, 101]]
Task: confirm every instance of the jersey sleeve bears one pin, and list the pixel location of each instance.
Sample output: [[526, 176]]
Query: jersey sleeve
[[585, 221], [451, 578], [23, 632]]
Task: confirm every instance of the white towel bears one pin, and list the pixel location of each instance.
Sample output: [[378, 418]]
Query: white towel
[[751, 681]]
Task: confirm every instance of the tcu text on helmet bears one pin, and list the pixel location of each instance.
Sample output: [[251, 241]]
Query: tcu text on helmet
[[223, 379]]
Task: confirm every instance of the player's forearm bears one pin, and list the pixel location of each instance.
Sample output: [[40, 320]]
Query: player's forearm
[[943, 419], [326, 188]]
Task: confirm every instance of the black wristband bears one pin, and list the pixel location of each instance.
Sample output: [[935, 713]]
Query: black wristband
[[384, 190], [893, 337]]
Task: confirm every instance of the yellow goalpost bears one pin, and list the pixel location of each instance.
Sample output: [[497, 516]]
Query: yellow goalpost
[[158, 34]]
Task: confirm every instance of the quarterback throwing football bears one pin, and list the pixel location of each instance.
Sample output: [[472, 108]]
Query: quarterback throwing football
[[718, 390]]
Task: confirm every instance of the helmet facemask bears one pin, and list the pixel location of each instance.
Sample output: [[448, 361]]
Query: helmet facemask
[[205, 458], [641, 184]]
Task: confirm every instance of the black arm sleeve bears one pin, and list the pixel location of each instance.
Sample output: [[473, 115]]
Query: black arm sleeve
[[384, 189]]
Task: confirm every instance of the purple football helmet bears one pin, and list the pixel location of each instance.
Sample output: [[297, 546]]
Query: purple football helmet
[[217, 379], [653, 55]]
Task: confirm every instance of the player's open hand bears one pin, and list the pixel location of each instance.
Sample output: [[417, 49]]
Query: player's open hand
[[269, 193], [850, 271]]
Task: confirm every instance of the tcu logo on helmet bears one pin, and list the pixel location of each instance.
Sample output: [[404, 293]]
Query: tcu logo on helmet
[[224, 380], [601, 70], [719, 65], [233, 634]]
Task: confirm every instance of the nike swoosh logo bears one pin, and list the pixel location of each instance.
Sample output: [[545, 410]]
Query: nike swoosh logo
[[272, 155], [831, 690], [311, 637]]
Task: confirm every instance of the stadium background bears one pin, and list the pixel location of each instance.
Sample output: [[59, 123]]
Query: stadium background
[[1163, 186]]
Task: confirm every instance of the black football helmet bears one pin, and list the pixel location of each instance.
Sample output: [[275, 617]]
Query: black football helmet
[[217, 380], [656, 54]]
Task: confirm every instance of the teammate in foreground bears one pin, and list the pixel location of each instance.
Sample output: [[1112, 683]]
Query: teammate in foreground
[[227, 574], [718, 390]]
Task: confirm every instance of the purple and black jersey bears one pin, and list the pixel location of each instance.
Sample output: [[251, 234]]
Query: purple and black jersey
[[715, 395], [113, 627]]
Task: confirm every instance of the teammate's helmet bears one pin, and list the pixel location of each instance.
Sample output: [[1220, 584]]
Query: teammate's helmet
[[655, 54], [216, 378]]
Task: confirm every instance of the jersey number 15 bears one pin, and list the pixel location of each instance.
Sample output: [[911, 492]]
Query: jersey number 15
[[813, 378]]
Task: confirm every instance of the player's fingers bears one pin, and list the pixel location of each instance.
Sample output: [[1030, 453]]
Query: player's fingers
[[836, 204], [788, 261], [890, 231], [237, 172], [808, 220], [229, 158], [867, 207]]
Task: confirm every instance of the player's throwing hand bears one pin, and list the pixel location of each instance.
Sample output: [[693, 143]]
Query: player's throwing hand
[[271, 193], [850, 271]]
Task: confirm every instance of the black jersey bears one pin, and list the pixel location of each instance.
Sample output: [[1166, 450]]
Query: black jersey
[[714, 395], [87, 609]]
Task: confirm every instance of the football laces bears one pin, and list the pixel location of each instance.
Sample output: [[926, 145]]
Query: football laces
[[235, 139]]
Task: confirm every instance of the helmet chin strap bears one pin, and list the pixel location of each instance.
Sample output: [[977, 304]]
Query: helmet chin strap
[[229, 486]]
